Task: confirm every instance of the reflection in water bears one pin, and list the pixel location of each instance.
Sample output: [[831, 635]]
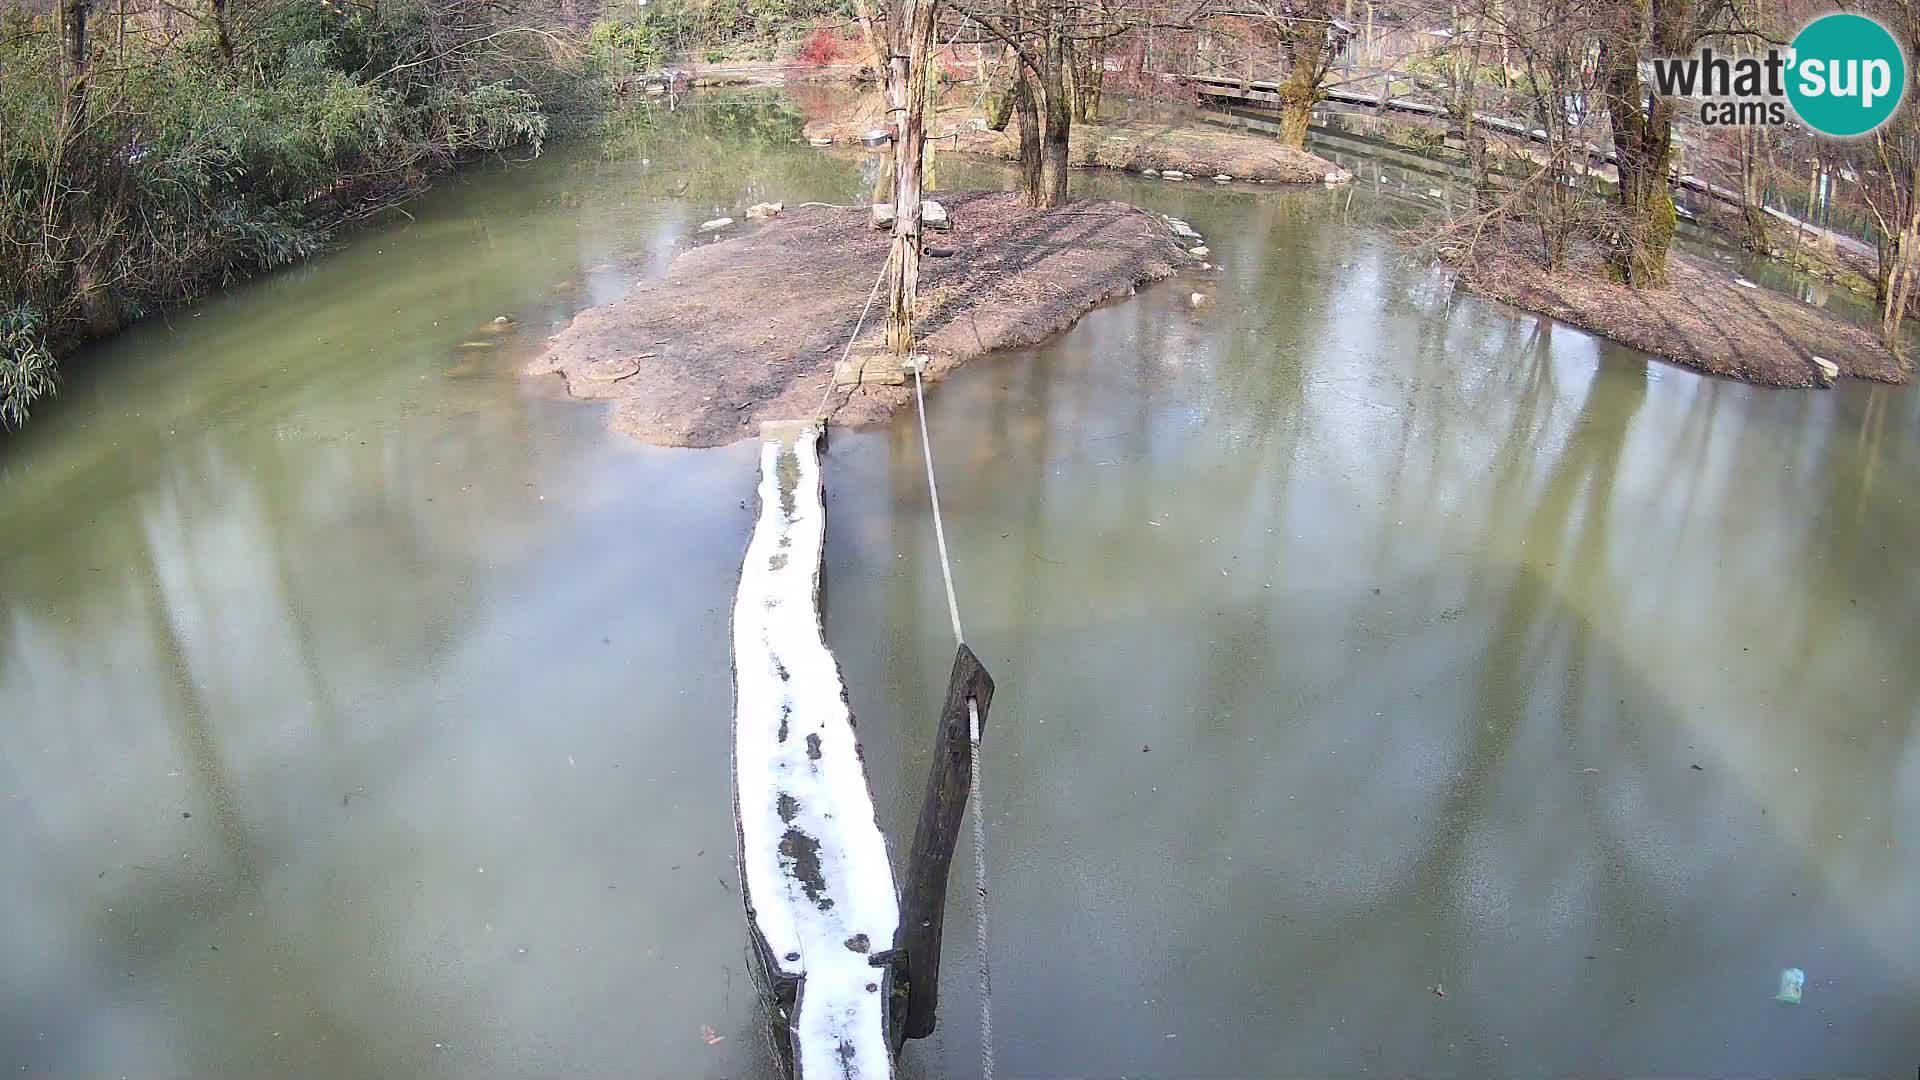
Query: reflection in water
[[1358, 639], [365, 709]]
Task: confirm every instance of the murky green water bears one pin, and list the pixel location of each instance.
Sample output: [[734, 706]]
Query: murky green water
[[363, 708]]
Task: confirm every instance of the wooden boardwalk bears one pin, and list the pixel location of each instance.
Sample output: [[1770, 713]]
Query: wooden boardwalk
[[1258, 93], [819, 890]]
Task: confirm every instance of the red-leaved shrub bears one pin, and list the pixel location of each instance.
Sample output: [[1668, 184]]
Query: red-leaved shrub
[[820, 48]]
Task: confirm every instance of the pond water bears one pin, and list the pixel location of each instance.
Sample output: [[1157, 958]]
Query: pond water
[[1388, 681]]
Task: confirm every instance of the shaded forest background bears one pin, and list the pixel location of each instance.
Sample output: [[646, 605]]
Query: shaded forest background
[[151, 150]]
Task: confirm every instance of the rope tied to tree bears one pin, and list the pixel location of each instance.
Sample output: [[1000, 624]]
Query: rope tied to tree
[[832, 375]]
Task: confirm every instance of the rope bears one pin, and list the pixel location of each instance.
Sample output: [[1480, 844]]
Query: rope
[[973, 707], [973, 737], [980, 887], [848, 351], [939, 530]]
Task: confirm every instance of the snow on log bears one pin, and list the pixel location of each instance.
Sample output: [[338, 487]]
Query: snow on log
[[818, 887]]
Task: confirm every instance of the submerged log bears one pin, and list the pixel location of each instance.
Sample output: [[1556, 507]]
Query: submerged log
[[924, 911], [819, 891]]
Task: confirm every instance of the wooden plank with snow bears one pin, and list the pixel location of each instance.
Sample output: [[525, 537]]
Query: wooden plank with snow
[[821, 906], [941, 811]]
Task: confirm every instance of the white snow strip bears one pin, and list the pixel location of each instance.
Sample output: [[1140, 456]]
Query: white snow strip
[[814, 862]]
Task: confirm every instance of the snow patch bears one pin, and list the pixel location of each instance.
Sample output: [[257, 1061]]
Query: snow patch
[[818, 883]]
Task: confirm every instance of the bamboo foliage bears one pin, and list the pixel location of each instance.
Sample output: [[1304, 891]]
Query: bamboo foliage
[[153, 150]]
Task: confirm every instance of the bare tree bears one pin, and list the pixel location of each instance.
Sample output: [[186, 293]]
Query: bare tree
[[1059, 50], [1531, 189], [863, 13], [1642, 124], [1308, 44], [1888, 167]]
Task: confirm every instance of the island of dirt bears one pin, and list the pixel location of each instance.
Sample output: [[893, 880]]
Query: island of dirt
[[1193, 150], [749, 329], [1704, 318]]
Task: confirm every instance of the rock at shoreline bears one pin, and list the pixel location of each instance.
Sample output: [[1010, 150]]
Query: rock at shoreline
[[1181, 229], [715, 224], [932, 215]]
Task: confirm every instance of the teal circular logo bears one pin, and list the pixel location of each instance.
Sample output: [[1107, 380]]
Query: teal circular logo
[[1846, 75]]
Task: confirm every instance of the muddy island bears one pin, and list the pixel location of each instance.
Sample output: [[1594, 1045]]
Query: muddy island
[[1705, 317], [1173, 151], [750, 327]]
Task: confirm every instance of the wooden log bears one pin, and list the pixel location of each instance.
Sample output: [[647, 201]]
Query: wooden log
[[907, 96], [924, 910], [818, 886]]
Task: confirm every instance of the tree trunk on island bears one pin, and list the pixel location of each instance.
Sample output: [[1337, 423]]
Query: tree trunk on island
[[1086, 62], [1058, 129], [1462, 101], [1083, 80], [870, 34], [907, 101], [1306, 42], [1643, 134], [1899, 253], [1888, 167], [1756, 172], [1070, 78], [1000, 99], [1092, 86], [1056, 132], [1000, 110], [1306, 47], [1029, 113]]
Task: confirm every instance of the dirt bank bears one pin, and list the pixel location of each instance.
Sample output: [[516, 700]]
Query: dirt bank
[[766, 73], [748, 329], [1195, 150], [1704, 318]]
